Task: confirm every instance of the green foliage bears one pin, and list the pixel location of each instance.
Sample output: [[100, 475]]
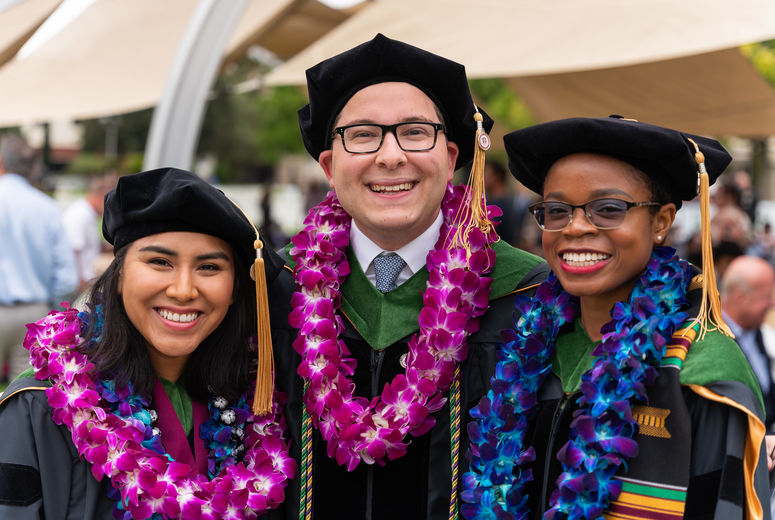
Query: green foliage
[[133, 163], [249, 132], [762, 55], [227, 133], [502, 103], [96, 163], [277, 132], [88, 163]]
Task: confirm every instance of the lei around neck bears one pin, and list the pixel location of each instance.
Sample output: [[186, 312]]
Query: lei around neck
[[600, 440], [356, 428], [120, 444]]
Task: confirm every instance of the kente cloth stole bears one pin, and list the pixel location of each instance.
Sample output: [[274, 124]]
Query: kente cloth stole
[[655, 483]]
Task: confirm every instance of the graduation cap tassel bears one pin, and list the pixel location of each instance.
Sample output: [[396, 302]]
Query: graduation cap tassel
[[262, 398], [709, 316], [474, 214]]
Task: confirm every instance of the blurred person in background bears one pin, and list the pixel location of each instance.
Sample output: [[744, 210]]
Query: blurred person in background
[[723, 253], [746, 297], [513, 205], [81, 221], [270, 228], [729, 222], [748, 199], [764, 243], [37, 266]]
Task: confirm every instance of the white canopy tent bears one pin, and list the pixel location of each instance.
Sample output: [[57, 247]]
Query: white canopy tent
[[666, 62], [116, 56], [19, 21]]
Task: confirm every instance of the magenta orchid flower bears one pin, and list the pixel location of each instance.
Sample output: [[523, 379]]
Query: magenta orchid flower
[[457, 293], [150, 483]]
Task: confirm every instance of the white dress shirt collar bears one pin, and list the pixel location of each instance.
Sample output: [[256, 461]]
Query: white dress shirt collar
[[414, 253]]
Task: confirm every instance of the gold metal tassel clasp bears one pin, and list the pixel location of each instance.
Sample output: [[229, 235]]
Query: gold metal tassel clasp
[[474, 213]]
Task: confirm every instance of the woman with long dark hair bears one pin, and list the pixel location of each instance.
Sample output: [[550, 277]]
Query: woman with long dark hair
[[143, 404], [620, 393]]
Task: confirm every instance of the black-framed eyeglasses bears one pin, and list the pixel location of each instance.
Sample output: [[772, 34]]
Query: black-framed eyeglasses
[[602, 213], [412, 136]]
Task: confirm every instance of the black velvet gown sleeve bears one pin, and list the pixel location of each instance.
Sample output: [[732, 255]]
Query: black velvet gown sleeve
[[41, 475]]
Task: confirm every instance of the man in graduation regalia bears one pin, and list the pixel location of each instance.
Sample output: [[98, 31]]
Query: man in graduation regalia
[[402, 287]]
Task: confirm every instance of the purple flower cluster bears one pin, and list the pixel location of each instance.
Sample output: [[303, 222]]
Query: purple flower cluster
[[600, 441], [357, 429], [493, 487], [627, 360], [117, 446]]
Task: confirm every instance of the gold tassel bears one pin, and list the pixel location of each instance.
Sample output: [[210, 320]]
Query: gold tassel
[[262, 398], [474, 214], [709, 316]]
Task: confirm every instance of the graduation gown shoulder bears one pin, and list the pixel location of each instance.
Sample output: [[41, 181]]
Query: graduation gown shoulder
[[41, 475], [701, 433]]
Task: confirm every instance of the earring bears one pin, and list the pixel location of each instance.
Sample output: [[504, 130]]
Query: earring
[[659, 238]]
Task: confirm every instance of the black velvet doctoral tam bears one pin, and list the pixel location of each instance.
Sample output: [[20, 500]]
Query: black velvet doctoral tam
[[665, 155], [332, 82], [169, 199]]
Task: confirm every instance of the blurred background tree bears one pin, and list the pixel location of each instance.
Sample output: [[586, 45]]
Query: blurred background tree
[[762, 55], [502, 103]]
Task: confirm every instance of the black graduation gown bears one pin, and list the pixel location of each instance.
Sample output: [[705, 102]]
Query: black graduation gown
[[418, 485], [711, 411]]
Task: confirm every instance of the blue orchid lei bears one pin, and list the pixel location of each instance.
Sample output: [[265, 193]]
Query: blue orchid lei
[[222, 432], [600, 440]]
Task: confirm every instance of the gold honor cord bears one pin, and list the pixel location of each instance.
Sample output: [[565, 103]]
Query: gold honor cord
[[709, 317]]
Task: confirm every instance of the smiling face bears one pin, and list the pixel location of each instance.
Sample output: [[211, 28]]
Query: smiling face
[[392, 195], [176, 289], [601, 266]]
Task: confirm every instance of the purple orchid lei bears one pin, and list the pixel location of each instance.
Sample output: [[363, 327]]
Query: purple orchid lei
[[111, 430], [600, 440], [355, 428]]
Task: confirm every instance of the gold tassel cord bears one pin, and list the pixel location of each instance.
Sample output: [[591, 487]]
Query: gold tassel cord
[[474, 214], [262, 397], [709, 317]]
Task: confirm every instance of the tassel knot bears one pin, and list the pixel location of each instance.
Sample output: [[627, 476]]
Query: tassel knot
[[474, 213]]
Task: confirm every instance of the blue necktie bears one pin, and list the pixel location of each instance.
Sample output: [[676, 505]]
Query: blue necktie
[[386, 269]]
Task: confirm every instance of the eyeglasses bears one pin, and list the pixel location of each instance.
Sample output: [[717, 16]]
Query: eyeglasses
[[601, 213], [412, 136]]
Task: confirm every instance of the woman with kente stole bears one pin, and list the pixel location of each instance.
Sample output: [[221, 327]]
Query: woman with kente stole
[[620, 392], [142, 406]]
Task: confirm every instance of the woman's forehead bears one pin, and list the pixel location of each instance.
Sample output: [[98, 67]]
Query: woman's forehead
[[181, 242], [588, 171]]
